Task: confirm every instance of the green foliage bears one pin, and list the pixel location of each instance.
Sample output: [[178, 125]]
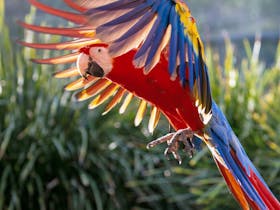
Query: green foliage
[[56, 154]]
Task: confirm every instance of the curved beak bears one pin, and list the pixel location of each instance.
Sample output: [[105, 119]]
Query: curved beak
[[94, 69], [86, 65]]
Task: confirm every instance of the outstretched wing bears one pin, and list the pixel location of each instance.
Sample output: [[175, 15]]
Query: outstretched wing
[[154, 27], [99, 90]]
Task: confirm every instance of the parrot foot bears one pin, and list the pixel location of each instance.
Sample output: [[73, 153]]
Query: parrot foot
[[173, 139]]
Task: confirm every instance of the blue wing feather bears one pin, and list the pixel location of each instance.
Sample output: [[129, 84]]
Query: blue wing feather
[[196, 72], [117, 5], [182, 55], [148, 42], [141, 25], [190, 63], [134, 13], [162, 26], [173, 41]]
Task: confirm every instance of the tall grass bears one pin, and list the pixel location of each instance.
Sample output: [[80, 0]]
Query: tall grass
[[55, 154]]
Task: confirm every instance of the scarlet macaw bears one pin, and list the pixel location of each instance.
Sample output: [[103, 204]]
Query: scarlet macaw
[[152, 49]]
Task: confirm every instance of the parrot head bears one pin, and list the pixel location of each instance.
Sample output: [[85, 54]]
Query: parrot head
[[94, 60]]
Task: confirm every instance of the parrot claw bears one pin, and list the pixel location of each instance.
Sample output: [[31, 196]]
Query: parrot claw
[[172, 139]]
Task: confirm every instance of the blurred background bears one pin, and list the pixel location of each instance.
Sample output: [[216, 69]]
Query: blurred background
[[56, 154]]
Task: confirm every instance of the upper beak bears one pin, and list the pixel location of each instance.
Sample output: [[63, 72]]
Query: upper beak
[[86, 65], [94, 69]]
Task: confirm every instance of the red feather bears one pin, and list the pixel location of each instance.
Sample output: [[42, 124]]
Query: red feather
[[158, 82]]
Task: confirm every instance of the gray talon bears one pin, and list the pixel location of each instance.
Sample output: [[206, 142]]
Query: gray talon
[[172, 139]]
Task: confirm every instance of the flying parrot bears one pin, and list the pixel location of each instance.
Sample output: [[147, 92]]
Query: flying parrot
[[151, 49]]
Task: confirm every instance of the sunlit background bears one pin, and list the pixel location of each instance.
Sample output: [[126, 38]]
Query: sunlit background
[[216, 19], [238, 18], [56, 154]]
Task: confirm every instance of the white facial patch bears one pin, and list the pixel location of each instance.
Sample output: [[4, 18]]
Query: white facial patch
[[82, 63], [102, 57]]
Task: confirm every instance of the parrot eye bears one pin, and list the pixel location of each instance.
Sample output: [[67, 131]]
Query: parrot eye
[[99, 50]]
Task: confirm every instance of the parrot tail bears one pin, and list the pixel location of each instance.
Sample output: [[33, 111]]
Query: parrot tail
[[241, 176]]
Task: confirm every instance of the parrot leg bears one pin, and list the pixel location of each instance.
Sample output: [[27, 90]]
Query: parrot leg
[[173, 139]]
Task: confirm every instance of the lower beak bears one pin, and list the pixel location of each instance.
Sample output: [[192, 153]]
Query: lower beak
[[94, 69], [87, 66]]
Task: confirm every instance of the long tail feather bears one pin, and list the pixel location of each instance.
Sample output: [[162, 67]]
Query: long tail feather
[[104, 96], [140, 113], [80, 83], [126, 102], [70, 16], [154, 119], [233, 186], [79, 32], [70, 45], [93, 90], [67, 73], [243, 179], [115, 100], [69, 58], [75, 6]]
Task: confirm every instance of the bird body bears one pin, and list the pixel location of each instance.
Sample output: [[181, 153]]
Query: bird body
[[169, 96], [151, 49]]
